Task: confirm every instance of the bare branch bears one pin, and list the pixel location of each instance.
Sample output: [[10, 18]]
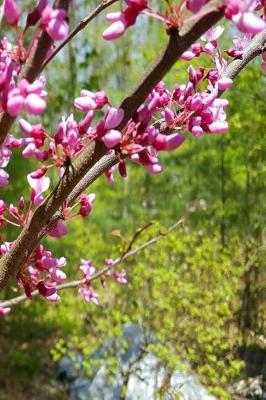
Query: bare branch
[[103, 271]]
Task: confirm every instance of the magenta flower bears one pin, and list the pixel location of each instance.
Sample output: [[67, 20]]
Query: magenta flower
[[4, 311], [58, 230], [123, 20], [120, 277], [86, 202], [4, 177], [11, 12], [87, 268], [45, 289], [53, 21], [89, 295], [113, 117], [28, 96], [195, 5], [112, 138]]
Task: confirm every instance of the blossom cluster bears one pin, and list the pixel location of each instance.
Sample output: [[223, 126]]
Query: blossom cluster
[[245, 14], [86, 289], [17, 94]]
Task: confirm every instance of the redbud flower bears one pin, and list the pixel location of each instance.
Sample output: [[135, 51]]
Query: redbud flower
[[112, 138], [45, 290], [39, 172], [86, 202], [89, 295], [11, 12], [113, 117], [58, 230], [4, 310], [120, 277], [114, 31], [87, 268], [54, 23], [4, 177], [194, 5]]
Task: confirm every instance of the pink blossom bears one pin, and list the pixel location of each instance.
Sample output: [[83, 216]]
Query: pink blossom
[[53, 298], [35, 15], [11, 12], [45, 290], [248, 22], [39, 185], [114, 31], [89, 295], [86, 202], [85, 103], [187, 55], [54, 23], [113, 117], [4, 177], [39, 172], [174, 141], [30, 96], [155, 169], [34, 104], [112, 138], [4, 310], [58, 230], [213, 33], [87, 268], [194, 5], [84, 125], [120, 277], [122, 20]]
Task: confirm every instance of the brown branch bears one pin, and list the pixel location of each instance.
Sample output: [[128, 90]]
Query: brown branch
[[11, 263], [103, 271], [81, 25], [31, 70]]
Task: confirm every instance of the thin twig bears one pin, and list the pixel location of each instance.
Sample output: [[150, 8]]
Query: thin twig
[[129, 253]]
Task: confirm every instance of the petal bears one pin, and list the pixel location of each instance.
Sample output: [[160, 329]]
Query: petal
[[39, 185], [35, 104], [114, 31]]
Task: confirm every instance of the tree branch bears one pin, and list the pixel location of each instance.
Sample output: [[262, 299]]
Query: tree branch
[[11, 263], [254, 49], [129, 253]]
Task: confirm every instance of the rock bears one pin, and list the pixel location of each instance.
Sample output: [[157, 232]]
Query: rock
[[141, 371]]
